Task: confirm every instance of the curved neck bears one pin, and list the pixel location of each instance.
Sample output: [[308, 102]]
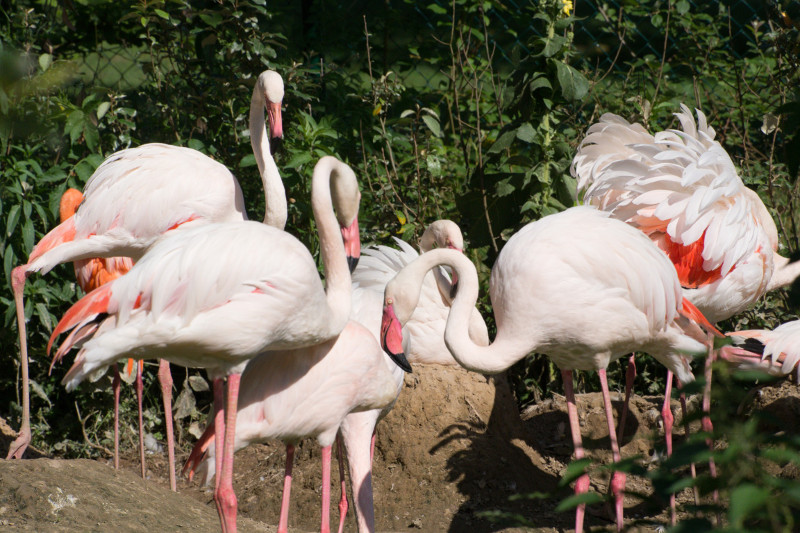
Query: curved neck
[[334, 258], [443, 283], [274, 192], [784, 272], [492, 359]]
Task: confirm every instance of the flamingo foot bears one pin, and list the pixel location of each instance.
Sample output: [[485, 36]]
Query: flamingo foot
[[20, 444]]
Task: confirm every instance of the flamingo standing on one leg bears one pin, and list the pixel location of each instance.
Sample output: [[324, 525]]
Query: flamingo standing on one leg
[[217, 295], [138, 194], [578, 286], [681, 188]]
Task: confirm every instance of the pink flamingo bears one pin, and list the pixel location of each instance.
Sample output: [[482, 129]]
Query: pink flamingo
[[217, 295], [681, 188], [307, 392], [775, 351], [91, 274], [138, 194], [578, 286]]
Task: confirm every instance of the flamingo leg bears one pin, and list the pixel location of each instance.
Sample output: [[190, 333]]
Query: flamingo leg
[[582, 483], [372, 447], [17, 448], [617, 478], [283, 523], [343, 499], [165, 380], [225, 496], [630, 375], [685, 412], [326, 490], [668, 418], [115, 386], [139, 397], [219, 429], [706, 420]]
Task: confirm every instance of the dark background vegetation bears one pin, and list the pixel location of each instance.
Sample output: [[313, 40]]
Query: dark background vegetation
[[465, 110]]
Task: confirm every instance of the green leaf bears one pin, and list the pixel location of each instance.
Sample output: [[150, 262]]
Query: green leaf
[[44, 315], [28, 236], [45, 60], [526, 133], [91, 135], [102, 109], [248, 161], [745, 499], [589, 498], [163, 14], [12, 220], [574, 85], [502, 142], [299, 159], [432, 124], [554, 45]]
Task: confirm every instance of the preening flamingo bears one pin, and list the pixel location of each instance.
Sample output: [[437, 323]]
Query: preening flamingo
[[307, 392], [138, 194], [217, 295], [681, 188], [579, 286]]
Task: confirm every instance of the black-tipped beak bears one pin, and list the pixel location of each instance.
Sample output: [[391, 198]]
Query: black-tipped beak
[[453, 290], [401, 361], [352, 262], [274, 144]]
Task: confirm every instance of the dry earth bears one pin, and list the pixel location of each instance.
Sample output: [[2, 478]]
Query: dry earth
[[452, 449]]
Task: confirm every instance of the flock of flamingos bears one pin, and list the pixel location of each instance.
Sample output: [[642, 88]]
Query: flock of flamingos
[[668, 241]]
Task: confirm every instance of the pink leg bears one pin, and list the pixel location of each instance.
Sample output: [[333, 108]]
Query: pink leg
[[685, 412], [343, 500], [17, 448], [372, 448], [283, 523], [582, 484], [706, 420], [219, 429], [225, 496], [630, 375], [326, 490], [666, 416], [165, 380], [617, 478], [139, 395], [115, 383]]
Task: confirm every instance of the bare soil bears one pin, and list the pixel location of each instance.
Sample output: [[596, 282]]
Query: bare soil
[[453, 449]]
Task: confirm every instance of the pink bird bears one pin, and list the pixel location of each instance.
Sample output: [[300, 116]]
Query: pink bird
[[774, 351], [681, 188], [306, 393], [217, 295], [91, 274], [138, 194], [579, 286]]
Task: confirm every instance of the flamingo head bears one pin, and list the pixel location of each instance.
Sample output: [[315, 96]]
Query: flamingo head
[[346, 199], [271, 84], [392, 336]]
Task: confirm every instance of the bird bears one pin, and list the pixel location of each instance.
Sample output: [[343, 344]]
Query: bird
[[578, 286], [306, 393], [681, 188], [423, 333], [138, 194], [217, 295], [776, 351]]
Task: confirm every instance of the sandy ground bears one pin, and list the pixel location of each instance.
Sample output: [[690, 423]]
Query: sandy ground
[[453, 448]]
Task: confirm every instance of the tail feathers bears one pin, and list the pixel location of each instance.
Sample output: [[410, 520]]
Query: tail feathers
[[62, 233], [84, 310], [693, 313], [199, 451], [73, 339]]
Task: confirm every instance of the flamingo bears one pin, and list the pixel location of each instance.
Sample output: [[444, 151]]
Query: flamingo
[[138, 194], [217, 295], [579, 286], [681, 188], [775, 351], [307, 392], [290, 402]]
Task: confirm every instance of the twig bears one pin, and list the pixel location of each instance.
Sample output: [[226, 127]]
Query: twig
[[86, 436]]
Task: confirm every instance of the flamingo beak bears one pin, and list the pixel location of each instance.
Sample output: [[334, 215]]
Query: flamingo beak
[[275, 125], [352, 244], [392, 338]]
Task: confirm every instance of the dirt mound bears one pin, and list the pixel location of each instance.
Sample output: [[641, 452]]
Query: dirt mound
[[452, 450]]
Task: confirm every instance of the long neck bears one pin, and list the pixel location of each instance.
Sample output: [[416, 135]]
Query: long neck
[[500, 354], [443, 283], [274, 193], [784, 272], [334, 258]]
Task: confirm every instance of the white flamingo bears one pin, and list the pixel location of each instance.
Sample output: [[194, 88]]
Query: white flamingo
[[681, 188], [578, 286], [775, 351], [217, 295], [138, 194]]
